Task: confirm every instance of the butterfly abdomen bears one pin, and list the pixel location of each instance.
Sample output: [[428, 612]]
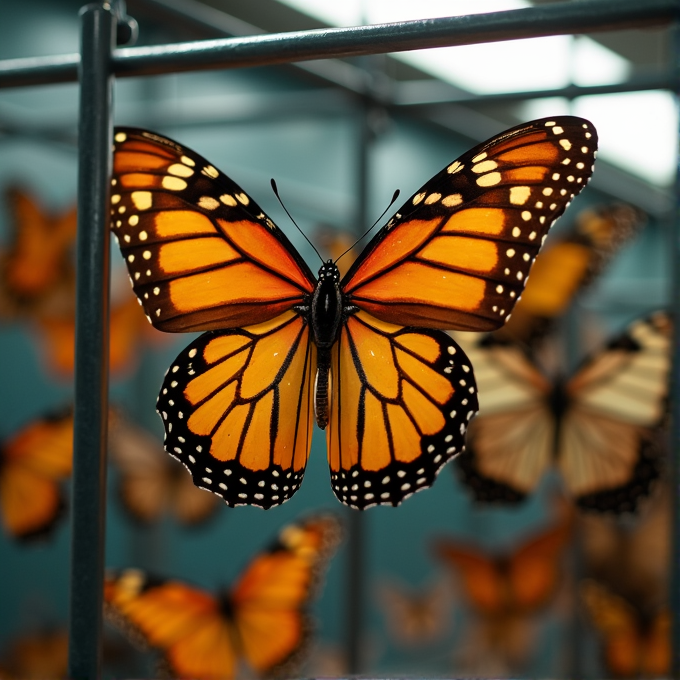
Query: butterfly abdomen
[[325, 319]]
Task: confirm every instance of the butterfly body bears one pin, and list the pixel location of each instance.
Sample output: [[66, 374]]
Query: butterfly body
[[365, 356], [329, 309]]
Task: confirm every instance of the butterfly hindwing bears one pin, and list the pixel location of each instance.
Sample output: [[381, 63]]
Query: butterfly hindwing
[[238, 410], [469, 236], [401, 399], [200, 252]]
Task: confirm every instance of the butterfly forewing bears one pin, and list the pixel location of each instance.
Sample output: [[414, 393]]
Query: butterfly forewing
[[238, 410], [469, 236], [401, 400], [200, 252]]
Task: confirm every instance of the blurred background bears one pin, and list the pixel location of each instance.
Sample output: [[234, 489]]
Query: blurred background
[[331, 132]]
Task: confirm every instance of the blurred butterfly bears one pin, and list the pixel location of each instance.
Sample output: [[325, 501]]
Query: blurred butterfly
[[363, 356], [152, 484], [260, 626], [522, 581], [599, 427], [506, 589], [33, 464], [415, 617], [635, 643], [128, 330], [632, 554], [36, 656], [38, 263], [567, 265]]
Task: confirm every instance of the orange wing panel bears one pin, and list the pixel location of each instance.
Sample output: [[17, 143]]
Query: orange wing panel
[[400, 402], [237, 407]]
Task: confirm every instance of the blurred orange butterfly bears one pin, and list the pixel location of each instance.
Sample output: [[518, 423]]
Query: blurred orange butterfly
[[150, 482], [568, 264], [363, 356], [520, 582], [635, 643], [261, 626], [415, 618], [33, 463], [504, 590], [36, 656], [632, 555], [600, 427], [38, 265], [128, 333]]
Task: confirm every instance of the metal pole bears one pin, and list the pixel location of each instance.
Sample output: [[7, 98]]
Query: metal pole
[[559, 18], [92, 343], [674, 440], [356, 540]]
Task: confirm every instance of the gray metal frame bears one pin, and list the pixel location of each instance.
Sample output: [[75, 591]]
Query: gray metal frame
[[96, 67]]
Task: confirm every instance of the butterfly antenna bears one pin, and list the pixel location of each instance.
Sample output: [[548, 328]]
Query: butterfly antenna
[[394, 198], [276, 193]]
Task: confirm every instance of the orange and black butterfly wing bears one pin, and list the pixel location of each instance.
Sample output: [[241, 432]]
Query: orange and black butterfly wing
[[400, 402], [271, 598], [33, 464], [567, 266], [237, 406], [458, 253], [184, 623], [200, 252]]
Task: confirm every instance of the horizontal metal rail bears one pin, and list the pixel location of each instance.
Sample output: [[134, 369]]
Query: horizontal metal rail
[[279, 48]]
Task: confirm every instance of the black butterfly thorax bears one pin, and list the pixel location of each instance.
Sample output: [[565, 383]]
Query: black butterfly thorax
[[558, 402], [327, 310]]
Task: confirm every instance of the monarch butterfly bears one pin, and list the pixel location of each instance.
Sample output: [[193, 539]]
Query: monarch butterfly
[[38, 264], [33, 463], [42, 654], [569, 264], [599, 427], [415, 618], [262, 622], [151, 483], [519, 582], [635, 643], [364, 355], [505, 590]]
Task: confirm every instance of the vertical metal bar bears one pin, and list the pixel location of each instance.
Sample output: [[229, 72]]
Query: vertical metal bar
[[356, 557], [674, 440], [92, 344]]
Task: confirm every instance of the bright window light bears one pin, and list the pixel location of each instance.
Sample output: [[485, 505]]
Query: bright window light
[[637, 130], [517, 65]]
